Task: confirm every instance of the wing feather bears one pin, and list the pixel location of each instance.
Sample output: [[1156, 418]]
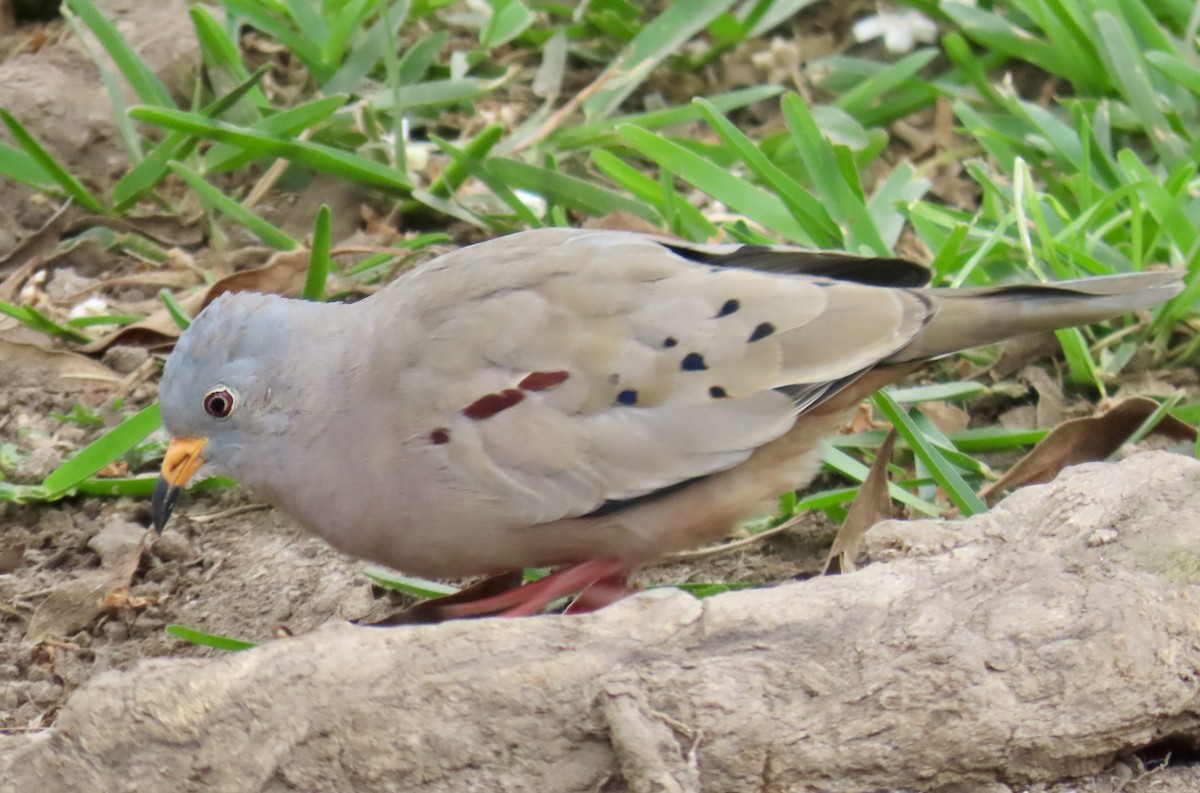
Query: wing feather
[[673, 369]]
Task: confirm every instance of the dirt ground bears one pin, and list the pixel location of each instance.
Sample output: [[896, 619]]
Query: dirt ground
[[223, 565]]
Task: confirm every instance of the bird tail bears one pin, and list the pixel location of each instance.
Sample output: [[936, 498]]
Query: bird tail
[[966, 318]]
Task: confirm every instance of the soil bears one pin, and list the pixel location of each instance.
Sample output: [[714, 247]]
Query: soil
[[68, 608]]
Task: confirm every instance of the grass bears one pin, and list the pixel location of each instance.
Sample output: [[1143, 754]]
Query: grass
[[1102, 178]]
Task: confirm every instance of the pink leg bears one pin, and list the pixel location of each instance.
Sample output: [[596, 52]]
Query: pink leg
[[599, 594], [536, 595]]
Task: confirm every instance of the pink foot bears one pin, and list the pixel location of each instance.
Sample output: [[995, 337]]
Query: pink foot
[[599, 582]]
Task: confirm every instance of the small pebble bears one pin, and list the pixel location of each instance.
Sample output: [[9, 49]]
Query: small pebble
[[171, 546]]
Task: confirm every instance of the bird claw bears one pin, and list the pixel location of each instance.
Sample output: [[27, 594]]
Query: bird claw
[[596, 584]]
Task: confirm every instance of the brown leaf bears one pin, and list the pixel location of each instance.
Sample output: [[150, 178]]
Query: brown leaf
[[74, 605], [29, 364], [862, 420], [283, 274], [872, 504], [158, 329], [946, 417], [621, 220], [1086, 440], [1018, 353], [1052, 403]]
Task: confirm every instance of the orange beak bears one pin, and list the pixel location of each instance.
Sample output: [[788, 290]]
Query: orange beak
[[182, 460]]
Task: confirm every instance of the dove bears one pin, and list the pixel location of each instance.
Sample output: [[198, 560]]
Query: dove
[[583, 399]]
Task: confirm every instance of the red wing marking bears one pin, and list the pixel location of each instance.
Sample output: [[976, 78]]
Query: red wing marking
[[540, 381], [490, 404]]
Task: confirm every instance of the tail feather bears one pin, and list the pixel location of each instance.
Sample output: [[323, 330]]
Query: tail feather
[[967, 318]]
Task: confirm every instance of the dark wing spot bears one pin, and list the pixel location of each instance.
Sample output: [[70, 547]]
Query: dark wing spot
[[628, 397], [540, 381], [717, 392], [731, 305], [693, 362], [764, 330], [490, 404], [439, 436], [670, 341]]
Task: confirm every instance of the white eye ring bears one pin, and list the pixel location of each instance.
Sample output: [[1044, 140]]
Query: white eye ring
[[219, 402]]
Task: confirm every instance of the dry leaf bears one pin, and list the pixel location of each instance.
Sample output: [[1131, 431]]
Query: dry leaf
[[1051, 407], [1086, 440], [862, 420], [155, 330], [946, 417], [621, 220], [28, 364], [74, 605], [283, 274], [872, 504], [1018, 353]]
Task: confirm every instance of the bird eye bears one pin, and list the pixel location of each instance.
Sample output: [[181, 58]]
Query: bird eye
[[218, 403]]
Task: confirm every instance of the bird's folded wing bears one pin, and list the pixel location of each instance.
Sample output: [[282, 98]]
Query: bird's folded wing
[[554, 378]]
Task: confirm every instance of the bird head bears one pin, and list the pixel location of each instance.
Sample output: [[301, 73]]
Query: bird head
[[223, 386]]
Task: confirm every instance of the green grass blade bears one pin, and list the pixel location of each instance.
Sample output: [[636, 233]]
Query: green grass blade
[[208, 639], [695, 225], [20, 167], [1127, 66], [257, 14], [478, 168], [810, 213], [938, 392], [178, 315], [839, 461], [431, 94], [569, 191], [420, 587], [367, 49], [822, 162], [135, 71], [224, 67], [324, 159], [995, 439], [454, 174], [510, 18], [664, 36], [592, 133], [227, 157], [945, 474], [318, 260], [36, 320], [151, 170], [57, 173], [884, 82], [272, 235], [756, 204], [102, 451]]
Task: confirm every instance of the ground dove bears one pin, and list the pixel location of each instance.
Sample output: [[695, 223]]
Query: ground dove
[[594, 399]]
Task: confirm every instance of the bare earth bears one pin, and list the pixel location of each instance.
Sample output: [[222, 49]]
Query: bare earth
[[874, 681]]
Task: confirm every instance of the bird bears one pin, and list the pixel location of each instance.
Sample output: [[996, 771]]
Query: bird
[[590, 400]]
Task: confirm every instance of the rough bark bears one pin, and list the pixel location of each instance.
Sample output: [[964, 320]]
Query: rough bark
[[1036, 642]]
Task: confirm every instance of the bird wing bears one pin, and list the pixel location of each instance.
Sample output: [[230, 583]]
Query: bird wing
[[557, 370]]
